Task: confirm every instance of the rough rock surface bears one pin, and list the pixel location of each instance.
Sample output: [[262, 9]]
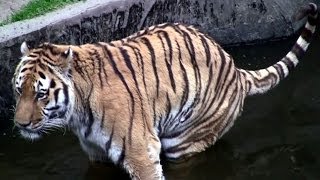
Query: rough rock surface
[[228, 21]]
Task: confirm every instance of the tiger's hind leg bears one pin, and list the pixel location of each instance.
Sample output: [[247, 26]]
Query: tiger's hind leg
[[205, 132]]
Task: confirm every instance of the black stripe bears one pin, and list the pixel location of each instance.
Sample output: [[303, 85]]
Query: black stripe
[[116, 70], [206, 102], [208, 84], [168, 105], [222, 67], [273, 78], [33, 55], [90, 121], [136, 54], [56, 94], [100, 60], [48, 62], [185, 94], [80, 69], [123, 152], [156, 162], [153, 60], [172, 81], [221, 83], [47, 59], [104, 71], [61, 114], [166, 36], [166, 121], [41, 75], [312, 21], [249, 83], [52, 83], [155, 116], [206, 49], [127, 60], [191, 30], [66, 94], [53, 115], [298, 51], [280, 71], [42, 66], [92, 58], [191, 50], [79, 91], [139, 58], [108, 143], [52, 49], [102, 117], [50, 70], [306, 34], [44, 113], [288, 63], [29, 62], [53, 108]]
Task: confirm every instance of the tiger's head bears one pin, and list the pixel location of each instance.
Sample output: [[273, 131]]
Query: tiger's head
[[43, 89]]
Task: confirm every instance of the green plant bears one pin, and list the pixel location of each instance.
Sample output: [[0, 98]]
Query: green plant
[[36, 8]]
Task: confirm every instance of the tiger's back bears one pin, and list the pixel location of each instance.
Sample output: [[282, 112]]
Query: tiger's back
[[167, 88]]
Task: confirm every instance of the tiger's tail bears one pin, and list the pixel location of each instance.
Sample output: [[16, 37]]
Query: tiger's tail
[[260, 81]]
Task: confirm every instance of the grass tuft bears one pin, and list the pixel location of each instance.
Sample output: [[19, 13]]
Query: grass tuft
[[36, 8]]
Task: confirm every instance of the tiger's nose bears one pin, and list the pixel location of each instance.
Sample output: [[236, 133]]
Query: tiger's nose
[[23, 124]]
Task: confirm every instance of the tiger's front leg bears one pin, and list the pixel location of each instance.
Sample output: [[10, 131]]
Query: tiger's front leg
[[143, 162]]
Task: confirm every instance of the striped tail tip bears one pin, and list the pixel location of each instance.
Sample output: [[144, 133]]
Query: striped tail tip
[[301, 46], [260, 81], [310, 9]]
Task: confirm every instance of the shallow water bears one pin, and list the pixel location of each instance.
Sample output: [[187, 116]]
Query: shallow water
[[277, 136]]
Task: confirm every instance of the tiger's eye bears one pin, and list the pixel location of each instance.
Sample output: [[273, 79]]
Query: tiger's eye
[[40, 95]]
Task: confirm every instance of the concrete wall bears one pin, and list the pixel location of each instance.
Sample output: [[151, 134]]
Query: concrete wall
[[228, 21]]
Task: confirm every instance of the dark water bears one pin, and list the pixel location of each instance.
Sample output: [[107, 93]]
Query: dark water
[[277, 136]]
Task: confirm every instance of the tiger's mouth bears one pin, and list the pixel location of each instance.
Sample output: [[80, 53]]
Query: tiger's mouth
[[30, 135], [32, 131]]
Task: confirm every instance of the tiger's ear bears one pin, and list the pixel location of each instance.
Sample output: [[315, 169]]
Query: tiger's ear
[[24, 49], [66, 65], [68, 54]]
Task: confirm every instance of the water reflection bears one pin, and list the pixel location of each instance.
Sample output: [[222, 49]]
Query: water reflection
[[277, 137]]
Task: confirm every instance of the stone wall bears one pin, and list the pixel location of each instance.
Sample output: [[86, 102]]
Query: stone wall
[[228, 21]]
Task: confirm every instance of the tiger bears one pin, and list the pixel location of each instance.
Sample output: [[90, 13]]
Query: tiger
[[169, 89]]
